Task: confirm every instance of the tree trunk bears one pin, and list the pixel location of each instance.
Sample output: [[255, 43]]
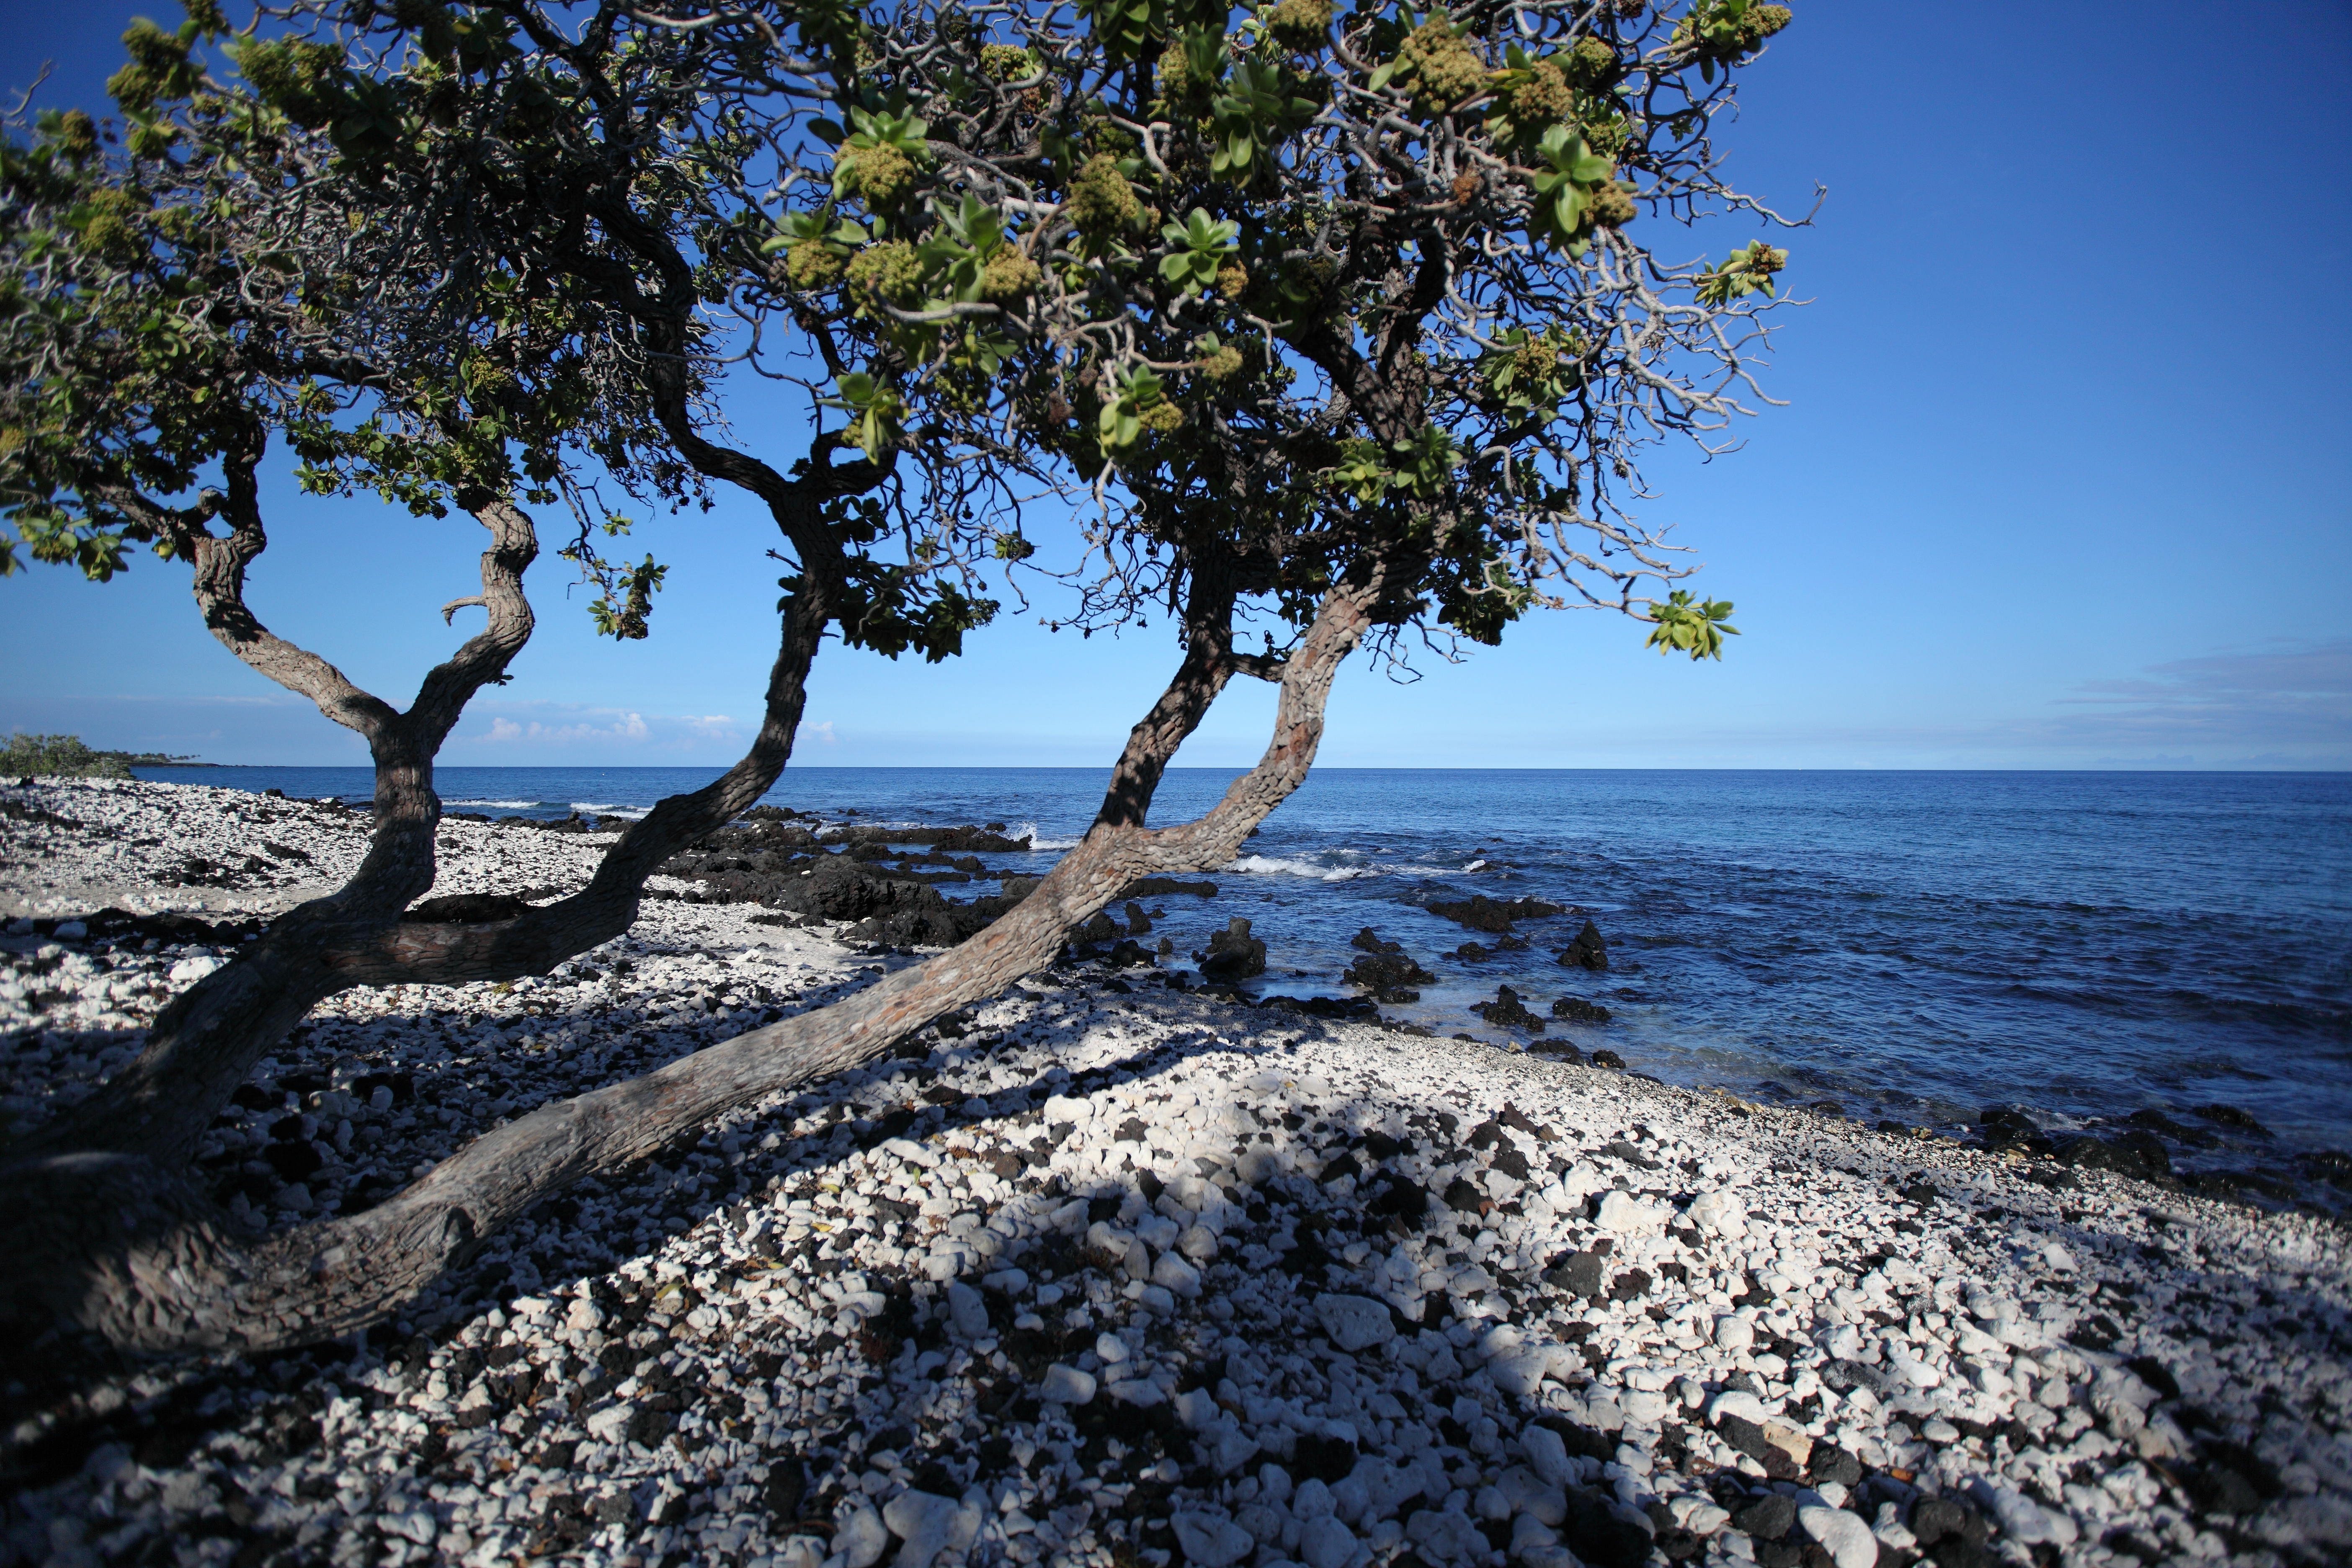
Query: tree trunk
[[112, 1244]]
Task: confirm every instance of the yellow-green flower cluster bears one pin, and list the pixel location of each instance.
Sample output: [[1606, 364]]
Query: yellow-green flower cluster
[[1437, 66], [890, 271], [1300, 24], [880, 176], [1100, 201]]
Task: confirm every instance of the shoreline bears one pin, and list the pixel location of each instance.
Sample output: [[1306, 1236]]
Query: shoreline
[[1473, 1306], [2188, 1142]]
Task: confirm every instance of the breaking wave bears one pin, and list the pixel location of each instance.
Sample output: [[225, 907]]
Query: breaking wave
[[1279, 866]]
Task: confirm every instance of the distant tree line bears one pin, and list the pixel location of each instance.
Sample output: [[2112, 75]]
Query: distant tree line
[[65, 756]]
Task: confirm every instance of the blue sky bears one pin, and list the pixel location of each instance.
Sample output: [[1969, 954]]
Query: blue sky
[[2062, 481]]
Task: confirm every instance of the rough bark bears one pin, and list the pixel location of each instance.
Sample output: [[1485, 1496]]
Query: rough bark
[[121, 1251], [206, 1041]]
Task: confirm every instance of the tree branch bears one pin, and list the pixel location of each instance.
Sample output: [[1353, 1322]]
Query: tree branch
[[140, 1264]]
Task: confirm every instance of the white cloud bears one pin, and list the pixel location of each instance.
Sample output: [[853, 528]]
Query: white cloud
[[550, 725], [822, 732]]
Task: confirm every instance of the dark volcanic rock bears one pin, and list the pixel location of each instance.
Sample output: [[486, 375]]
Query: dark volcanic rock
[[1386, 970], [1463, 1198], [963, 839], [2230, 1116], [1403, 1199], [838, 889], [1769, 1517], [2328, 1165], [1508, 1012], [2157, 1121], [1936, 1520], [2137, 1153], [1831, 1463], [1844, 1375], [1589, 951], [1577, 1010], [769, 860], [1607, 1059], [1480, 913], [1234, 953], [1161, 886], [1748, 1438], [1579, 1274], [2008, 1127]]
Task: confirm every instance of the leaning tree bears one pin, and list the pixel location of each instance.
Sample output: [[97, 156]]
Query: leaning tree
[[1342, 328]]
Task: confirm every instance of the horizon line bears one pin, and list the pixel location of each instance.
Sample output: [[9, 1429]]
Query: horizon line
[[1236, 769]]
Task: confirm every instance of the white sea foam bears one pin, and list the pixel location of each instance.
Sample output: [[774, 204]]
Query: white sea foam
[[501, 805], [1276, 866], [604, 809], [1039, 841]]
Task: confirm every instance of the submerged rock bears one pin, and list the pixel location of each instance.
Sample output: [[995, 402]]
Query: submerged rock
[[1386, 970], [1508, 1012], [2136, 1152], [1589, 951], [1480, 913]]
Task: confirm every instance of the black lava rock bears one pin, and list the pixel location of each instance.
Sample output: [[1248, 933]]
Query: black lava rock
[[1403, 1199], [1508, 1012], [1234, 953], [1161, 886], [1843, 1375], [1580, 1274], [1831, 1463], [2135, 1153], [2157, 1121], [1385, 969], [1935, 1521], [1589, 951], [1748, 1438], [1577, 1010], [2008, 1127], [1480, 913], [1769, 1517], [2230, 1116]]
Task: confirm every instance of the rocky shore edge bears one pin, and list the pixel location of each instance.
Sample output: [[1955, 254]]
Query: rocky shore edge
[[1104, 1274]]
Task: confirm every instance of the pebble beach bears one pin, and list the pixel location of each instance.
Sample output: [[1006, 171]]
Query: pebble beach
[[1100, 1273]]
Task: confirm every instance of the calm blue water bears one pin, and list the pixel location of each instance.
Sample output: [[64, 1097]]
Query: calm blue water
[[1910, 945]]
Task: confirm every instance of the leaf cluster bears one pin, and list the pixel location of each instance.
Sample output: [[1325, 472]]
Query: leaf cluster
[[1404, 313], [232, 271]]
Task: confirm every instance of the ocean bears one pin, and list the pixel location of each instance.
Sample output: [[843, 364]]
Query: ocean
[[1913, 946]]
